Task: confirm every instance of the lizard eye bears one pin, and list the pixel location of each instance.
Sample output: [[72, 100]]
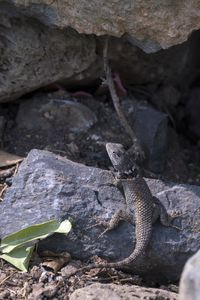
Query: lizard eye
[[116, 153]]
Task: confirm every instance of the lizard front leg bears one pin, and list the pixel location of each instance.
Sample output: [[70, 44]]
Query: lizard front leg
[[119, 215]]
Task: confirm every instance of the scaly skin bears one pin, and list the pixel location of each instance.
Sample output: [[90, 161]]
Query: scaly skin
[[142, 208], [137, 195]]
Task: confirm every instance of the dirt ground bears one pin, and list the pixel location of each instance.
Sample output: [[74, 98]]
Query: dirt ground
[[40, 283]]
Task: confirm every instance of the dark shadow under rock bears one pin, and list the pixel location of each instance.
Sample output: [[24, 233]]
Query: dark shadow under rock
[[49, 186]]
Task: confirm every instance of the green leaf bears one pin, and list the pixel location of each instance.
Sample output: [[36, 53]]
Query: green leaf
[[19, 257], [31, 234], [16, 249], [64, 227]]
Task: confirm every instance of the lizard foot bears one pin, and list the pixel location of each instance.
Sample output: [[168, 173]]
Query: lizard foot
[[98, 223], [176, 214], [170, 219]]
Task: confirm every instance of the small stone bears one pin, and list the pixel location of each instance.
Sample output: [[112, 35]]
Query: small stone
[[190, 279], [98, 291]]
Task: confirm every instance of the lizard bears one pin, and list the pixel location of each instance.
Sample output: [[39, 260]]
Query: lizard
[[142, 208]]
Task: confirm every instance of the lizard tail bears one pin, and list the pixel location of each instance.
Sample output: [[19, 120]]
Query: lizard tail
[[138, 252]]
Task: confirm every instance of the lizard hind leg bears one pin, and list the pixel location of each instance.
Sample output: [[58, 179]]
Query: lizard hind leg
[[160, 212]]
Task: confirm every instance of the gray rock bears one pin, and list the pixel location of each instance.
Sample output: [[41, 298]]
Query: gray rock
[[147, 46], [165, 24], [48, 114], [34, 55], [38, 47], [152, 127], [98, 291], [54, 122], [48, 187], [190, 279]]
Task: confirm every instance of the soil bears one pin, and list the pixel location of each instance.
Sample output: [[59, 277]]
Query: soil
[[41, 284]]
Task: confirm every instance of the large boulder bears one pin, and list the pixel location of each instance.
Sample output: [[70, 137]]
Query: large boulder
[[153, 25], [34, 55], [40, 43], [51, 187]]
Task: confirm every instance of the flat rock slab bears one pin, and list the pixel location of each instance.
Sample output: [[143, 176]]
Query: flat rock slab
[[99, 291], [48, 186]]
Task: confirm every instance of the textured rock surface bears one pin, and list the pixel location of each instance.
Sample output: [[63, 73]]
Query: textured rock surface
[[153, 132], [190, 279], [57, 114], [38, 49], [51, 114], [153, 23], [48, 186], [99, 291], [34, 55]]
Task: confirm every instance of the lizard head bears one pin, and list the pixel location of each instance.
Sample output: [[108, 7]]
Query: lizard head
[[121, 159]]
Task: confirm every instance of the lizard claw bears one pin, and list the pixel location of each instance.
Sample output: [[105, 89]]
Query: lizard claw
[[171, 217], [176, 227], [91, 226], [103, 233], [98, 223], [176, 214]]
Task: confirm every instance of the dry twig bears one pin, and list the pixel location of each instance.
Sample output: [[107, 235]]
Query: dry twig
[[116, 103]]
